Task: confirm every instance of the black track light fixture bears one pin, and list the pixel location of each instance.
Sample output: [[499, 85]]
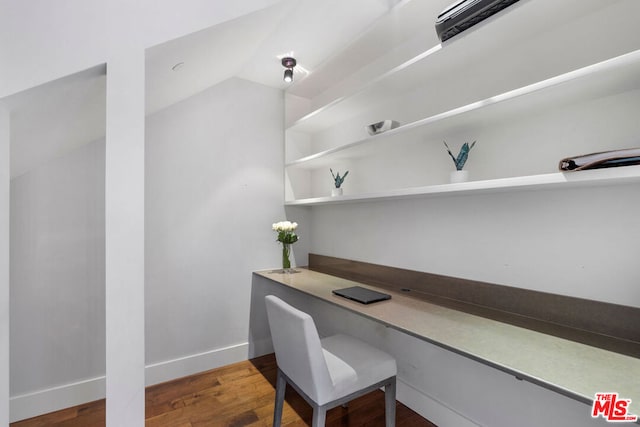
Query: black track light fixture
[[288, 63], [288, 75]]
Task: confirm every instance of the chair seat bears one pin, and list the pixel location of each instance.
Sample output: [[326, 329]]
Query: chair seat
[[354, 365]]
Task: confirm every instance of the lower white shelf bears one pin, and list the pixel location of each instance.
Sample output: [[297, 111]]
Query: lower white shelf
[[620, 175]]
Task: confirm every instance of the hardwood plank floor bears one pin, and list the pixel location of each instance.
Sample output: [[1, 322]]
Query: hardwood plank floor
[[238, 395]]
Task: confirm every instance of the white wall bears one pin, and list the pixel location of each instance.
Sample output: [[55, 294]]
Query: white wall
[[580, 242], [213, 188], [57, 275]]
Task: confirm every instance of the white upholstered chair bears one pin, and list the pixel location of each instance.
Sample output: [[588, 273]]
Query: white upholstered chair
[[326, 372]]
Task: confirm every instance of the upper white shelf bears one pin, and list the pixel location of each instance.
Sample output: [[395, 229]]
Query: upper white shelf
[[608, 77], [619, 175], [476, 42]]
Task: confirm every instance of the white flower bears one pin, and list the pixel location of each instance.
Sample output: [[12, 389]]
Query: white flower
[[285, 230], [286, 226]]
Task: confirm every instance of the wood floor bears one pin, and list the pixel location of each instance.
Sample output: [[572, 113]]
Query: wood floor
[[238, 395]]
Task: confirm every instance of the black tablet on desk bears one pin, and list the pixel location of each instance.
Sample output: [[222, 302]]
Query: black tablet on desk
[[361, 295]]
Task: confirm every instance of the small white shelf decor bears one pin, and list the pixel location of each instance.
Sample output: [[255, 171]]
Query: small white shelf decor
[[458, 176], [381, 127], [459, 161], [337, 181]]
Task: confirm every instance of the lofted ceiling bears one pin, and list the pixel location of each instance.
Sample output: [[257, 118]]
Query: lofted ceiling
[[329, 38], [252, 46]]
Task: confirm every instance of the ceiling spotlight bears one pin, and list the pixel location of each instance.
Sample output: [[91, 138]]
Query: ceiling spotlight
[[288, 63], [288, 75]]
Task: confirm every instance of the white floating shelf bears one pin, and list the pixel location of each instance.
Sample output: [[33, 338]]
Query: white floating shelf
[[481, 38], [620, 175], [591, 82]]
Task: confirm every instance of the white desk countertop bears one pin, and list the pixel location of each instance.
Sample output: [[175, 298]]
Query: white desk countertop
[[573, 369]]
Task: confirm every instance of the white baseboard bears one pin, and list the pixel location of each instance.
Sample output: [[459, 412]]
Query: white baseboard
[[53, 399], [165, 371], [430, 408]]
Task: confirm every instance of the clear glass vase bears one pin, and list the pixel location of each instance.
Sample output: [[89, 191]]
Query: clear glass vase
[[286, 252]]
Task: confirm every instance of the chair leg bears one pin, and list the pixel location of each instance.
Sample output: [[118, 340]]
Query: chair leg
[[281, 385], [390, 403], [319, 416]]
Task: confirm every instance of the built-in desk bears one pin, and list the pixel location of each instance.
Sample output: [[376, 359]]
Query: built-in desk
[[576, 370]]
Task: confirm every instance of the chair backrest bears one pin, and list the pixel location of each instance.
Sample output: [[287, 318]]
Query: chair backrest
[[298, 350]]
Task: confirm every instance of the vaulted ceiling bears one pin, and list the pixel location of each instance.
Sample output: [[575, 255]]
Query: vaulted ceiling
[[329, 38]]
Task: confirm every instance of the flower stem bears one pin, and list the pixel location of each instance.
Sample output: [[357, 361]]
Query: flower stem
[[286, 250]]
